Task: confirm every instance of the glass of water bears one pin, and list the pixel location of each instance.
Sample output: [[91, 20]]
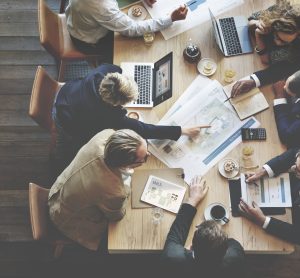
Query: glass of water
[[149, 38], [157, 215]]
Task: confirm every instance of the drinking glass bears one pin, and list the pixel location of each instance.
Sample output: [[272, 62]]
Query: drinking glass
[[157, 215]]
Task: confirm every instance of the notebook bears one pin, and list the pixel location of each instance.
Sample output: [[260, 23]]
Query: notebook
[[231, 34], [154, 81], [247, 104]]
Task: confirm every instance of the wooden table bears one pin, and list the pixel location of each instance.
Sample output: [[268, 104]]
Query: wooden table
[[135, 232]]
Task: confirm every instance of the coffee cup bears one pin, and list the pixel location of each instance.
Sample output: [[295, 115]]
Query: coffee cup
[[218, 213]]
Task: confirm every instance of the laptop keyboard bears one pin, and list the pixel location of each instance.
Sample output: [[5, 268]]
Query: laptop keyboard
[[142, 76], [230, 35]]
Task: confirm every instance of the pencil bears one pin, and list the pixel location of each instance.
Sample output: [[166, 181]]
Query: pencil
[[227, 99], [204, 126], [191, 3]]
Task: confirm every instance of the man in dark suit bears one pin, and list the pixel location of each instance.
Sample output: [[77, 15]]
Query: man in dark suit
[[288, 161], [287, 110], [273, 73], [87, 106], [212, 254]]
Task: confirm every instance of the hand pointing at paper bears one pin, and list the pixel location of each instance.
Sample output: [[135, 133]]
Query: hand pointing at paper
[[179, 14], [193, 132]]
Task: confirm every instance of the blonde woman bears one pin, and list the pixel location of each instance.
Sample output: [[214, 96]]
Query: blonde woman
[[276, 32], [87, 106]]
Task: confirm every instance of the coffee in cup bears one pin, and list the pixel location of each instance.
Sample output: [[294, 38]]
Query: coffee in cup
[[218, 213]]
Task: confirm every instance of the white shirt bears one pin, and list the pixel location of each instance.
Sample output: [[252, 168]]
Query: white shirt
[[90, 20]]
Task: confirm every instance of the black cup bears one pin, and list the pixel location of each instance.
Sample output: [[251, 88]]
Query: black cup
[[218, 213]]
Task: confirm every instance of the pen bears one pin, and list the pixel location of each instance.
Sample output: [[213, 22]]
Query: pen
[[204, 126], [227, 99], [187, 5], [252, 183]]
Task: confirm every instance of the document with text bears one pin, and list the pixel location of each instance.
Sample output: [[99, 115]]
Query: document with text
[[268, 192]]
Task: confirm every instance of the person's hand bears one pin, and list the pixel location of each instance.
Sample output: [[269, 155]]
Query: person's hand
[[261, 28], [179, 14], [150, 2], [278, 89], [242, 86], [192, 132], [253, 212], [198, 190], [252, 177]]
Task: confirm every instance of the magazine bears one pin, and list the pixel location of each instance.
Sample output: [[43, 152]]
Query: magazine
[[163, 194]]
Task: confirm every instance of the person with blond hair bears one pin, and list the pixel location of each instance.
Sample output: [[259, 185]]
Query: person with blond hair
[[94, 188], [84, 107]]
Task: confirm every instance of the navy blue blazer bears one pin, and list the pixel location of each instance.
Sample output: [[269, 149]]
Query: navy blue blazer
[[176, 257], [287, 118], [82, 113], [284, 230], [278, 71]]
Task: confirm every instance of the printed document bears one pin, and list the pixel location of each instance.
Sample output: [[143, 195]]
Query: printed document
[[197, 13], [200, 106], [163, 194], [268, 192]]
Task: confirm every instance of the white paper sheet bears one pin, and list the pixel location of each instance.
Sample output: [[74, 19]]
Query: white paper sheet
[[204, 105], [197, 14], [268, 192]]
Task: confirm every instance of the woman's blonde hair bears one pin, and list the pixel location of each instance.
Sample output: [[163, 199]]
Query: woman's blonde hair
[[282, 17], [121, 148], [117, 89]]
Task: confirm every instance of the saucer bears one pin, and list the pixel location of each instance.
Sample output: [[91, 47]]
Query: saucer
[[202, 64], [207, 213], [224, 173], [137, 18]]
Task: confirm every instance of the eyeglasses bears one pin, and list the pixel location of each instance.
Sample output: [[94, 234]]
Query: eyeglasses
[[146, 156], [144, 159], [277, 38]]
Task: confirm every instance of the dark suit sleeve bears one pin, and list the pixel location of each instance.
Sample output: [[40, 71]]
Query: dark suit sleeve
[[234, 259], [104, 69], [284, 230], [174, 250], [288, 128], [149, 131], [282, 163], [275, 72]]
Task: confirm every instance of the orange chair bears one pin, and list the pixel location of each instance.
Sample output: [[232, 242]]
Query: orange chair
[[42, 97], [55, 38], [42, 228]]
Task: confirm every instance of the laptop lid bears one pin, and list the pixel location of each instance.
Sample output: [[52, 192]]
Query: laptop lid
[[216, 31], [162, 79]]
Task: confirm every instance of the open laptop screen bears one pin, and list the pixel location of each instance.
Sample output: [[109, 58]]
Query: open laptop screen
[[162, 79]]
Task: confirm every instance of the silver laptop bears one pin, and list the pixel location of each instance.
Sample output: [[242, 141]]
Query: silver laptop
[[154, 81], [231, 34]]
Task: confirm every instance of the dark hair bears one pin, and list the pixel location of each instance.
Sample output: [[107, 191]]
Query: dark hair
[[209, 243], [294, 84]]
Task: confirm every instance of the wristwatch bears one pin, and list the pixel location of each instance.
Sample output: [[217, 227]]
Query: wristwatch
[[260, 51]]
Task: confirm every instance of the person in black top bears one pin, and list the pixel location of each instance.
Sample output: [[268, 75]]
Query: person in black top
[[289, 161], [87, 106], [212, 254]]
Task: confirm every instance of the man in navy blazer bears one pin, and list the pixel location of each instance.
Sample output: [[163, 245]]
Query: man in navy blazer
[[287, 110], [84, 107], [271, 74], [288, 161], [212, 253]]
